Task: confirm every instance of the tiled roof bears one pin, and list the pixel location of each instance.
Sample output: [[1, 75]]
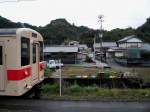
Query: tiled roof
[[106, 44]]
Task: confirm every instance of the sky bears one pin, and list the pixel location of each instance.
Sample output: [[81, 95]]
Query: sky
[[117, 13]]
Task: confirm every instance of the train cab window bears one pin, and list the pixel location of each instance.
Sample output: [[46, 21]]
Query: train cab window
[[34, 53], [41, 51], [25, 51], [1, 55]]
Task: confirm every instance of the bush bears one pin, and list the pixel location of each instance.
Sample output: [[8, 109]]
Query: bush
[[81, 91], [53, 89], [47, 71], [104, 92], [75, 89], [91, 89]]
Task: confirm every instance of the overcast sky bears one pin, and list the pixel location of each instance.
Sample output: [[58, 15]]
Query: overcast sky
[[117, 13]]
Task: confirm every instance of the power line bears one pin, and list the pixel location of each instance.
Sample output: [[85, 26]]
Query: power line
[[6, 1], [25, 0]]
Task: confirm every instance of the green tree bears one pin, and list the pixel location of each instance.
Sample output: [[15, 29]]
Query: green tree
[[143, 31]]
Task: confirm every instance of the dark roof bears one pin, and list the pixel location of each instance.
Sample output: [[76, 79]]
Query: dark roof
[[6, 32], [106, 44], [65, 49]]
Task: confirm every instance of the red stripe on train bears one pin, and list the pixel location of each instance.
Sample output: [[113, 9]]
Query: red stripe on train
[[15, 75]]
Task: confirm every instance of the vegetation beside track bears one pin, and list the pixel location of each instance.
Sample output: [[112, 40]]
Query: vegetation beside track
[[76, 92]]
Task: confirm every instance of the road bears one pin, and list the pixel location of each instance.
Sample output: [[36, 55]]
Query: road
[[29, 105]]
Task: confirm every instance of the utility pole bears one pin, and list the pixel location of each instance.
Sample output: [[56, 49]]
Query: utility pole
[[100, 17], [94, 48], [60, 78]]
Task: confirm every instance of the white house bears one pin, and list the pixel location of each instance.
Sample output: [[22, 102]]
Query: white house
[[130, 42]]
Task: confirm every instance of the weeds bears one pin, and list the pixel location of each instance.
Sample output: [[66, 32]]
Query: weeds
[[94, 91], [48, 71], [50, 89]]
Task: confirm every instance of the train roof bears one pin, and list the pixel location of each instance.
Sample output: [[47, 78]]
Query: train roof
[[4, 32], [13, 31]]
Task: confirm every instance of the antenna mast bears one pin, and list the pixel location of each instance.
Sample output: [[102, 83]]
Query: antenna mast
[[100, 17]]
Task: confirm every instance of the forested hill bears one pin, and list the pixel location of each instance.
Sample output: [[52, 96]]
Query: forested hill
[[56, 32], [60, 31], [5, 23], [144, 31]]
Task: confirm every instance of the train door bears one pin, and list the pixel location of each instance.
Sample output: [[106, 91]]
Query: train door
[[2, 67], [35, 61]]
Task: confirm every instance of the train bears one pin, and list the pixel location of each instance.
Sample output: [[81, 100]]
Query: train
[[21, 61]]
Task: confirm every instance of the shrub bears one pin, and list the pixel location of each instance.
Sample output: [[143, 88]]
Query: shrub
[[53, 89], [90, 89], [75, 89], [104, 92], [47, 71]]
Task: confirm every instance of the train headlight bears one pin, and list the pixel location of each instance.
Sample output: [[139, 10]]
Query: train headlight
[[26, 73]]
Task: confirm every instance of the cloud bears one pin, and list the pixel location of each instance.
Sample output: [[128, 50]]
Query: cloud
[[118, 13]]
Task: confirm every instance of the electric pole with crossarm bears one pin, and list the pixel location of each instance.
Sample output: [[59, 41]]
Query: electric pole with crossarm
[[100, 17]]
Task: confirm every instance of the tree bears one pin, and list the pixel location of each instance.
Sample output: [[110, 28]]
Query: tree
[[143, 31]]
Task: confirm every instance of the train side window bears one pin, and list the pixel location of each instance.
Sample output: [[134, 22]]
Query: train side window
[[34, 54], [25, 51], [41, 51], [1, 55]]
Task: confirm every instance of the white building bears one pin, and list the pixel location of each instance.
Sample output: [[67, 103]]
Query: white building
[[130, 42], [83, 48], [106, 45]]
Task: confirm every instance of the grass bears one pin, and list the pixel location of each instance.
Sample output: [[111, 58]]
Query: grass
[[72, 71], [50, 89], [78, 70], [77, 92], [142, 72]]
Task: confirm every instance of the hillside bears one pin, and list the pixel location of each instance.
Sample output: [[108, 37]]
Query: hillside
[[5, 23], [144, 31], [60, 31]]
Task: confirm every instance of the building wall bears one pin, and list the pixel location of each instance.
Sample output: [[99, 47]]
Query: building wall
[[119, 54], [66, 58], [81, 56], [130, 45]]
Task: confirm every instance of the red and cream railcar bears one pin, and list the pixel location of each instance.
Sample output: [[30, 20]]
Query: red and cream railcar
[[21, 61]]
